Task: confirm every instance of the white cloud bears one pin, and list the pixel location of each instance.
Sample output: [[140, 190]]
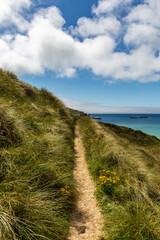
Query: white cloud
[[48, 46], [148, 13], [69, 72], [107, 6], [88, 107], [11, 13], [45, 44], [51, 15], [140, 64], [87, 27], [143, 25], [138, 34]]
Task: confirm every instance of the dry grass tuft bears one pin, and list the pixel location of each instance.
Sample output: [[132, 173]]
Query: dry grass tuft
[[8, 132]]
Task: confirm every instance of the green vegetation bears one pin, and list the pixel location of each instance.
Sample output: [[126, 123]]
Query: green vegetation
[[36, 162], [131, 135], [74, 112], [127, 177], [37, 192]]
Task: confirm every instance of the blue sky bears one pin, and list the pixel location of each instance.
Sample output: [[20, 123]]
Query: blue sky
[[97, 56], [71, 10]]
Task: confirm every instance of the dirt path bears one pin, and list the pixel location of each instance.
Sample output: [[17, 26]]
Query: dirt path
[[87, 220]]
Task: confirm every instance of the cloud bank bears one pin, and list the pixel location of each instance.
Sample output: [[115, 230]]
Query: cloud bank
[[114, 45], [89, 107]]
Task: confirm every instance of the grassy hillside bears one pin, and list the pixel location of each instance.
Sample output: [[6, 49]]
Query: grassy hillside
[[37, 192], [36, 161], [127, 176], [133, 136]]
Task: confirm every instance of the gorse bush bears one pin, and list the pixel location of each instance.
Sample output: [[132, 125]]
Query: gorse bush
[[36, 162], [127, 179]]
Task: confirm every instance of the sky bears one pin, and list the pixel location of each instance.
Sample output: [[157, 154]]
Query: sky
[[98, 56]]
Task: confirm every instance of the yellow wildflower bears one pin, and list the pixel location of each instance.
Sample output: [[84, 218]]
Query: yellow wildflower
[[108, 178], [66, 190]]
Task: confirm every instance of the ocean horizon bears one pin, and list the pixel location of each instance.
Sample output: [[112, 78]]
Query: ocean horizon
[[147, 123]]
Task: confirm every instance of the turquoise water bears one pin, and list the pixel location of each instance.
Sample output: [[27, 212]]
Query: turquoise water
[[150, 124]]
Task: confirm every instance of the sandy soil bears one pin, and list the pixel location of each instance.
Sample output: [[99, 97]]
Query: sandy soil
[[87, 220]]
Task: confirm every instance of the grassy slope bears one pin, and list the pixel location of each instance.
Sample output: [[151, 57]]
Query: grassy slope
[[36, 161], [133, 136], [131, 209]]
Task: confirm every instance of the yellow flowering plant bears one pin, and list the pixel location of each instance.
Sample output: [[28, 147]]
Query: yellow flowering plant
[[66, 190], [108, 180], [90, 141], [85, 130]]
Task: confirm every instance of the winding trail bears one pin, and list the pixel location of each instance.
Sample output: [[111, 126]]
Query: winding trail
[[87, 220]]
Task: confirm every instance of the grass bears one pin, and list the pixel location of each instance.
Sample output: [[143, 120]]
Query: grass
[[131, 207], [37, 192], [133, 136], [36, 162]]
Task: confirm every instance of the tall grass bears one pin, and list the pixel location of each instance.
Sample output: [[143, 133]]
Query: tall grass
[[131, 208], [36, 161]]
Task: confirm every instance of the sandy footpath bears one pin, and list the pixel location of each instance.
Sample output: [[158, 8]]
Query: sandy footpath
[[87, 222]]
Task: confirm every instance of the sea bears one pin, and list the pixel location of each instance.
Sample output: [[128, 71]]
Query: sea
[[147, 123]]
